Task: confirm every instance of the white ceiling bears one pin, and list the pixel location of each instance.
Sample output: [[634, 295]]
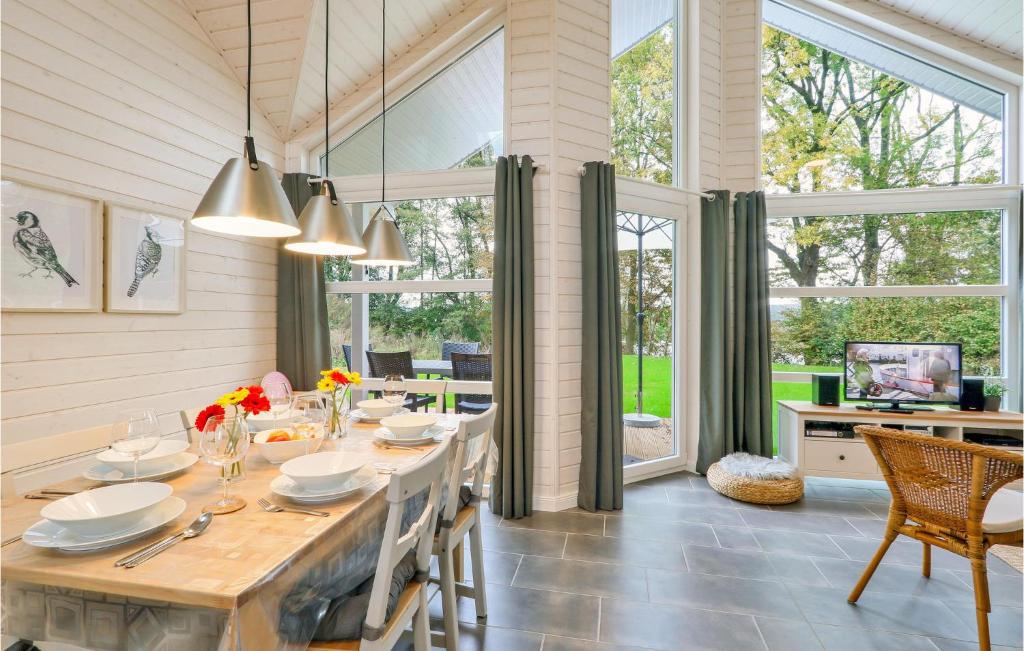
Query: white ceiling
[[993, 23], [288, 47]]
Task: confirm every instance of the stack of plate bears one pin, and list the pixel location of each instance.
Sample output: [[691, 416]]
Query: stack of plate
[[167, 458], [323, 476], [408, 430], [270, 420], [371, 411], [104, 517]]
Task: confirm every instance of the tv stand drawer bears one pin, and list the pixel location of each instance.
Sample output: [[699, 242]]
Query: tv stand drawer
[[845, 456]]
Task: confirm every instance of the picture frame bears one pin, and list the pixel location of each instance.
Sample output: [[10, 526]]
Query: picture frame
[[52, 258], [145, 261]]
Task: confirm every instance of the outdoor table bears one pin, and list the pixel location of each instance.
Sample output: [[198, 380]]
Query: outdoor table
[[254, 580], [432, 367]]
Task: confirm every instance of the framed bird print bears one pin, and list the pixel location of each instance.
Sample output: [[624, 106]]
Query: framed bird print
[[52, 243], [145, 261]]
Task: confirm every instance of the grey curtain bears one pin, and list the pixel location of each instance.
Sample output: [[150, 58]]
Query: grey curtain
[[600, 485], [735, 389], [303, 335], [512, 324]]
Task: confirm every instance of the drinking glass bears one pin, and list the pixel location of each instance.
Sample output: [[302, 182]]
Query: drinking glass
[[393, 390], [309, 416], [224, 442], [279, 395], [135, 433]]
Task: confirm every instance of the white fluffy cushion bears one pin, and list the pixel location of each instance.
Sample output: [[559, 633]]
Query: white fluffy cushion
[[742, 464], [1004, 513]]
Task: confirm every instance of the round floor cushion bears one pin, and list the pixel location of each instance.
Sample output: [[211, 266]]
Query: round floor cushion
[[757, 480]]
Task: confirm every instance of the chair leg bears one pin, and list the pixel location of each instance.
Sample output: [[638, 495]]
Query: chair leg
[[459, 563], [421, 623], [926, 560], [476, 551], [872, 566], [982, 605], [449, 599]]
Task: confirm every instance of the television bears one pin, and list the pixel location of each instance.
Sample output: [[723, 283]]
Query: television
[[902, 372]]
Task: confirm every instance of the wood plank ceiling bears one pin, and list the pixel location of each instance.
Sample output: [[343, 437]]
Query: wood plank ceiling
[[288, 47], [993, 23]]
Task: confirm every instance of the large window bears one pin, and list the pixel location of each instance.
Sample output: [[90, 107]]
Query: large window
[[643, 88], [860, 142]]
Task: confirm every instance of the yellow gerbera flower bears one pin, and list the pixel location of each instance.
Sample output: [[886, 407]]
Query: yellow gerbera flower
[[354, 378], [325, 384], [233, 397]]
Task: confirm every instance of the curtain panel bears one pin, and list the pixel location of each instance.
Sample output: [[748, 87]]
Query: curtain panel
[[512, 324], [735, 363], [303, 333], [600, 483]]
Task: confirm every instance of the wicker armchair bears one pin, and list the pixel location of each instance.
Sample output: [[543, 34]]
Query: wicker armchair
[[384, 364], [940, 490], [471, 367], [449, 347]]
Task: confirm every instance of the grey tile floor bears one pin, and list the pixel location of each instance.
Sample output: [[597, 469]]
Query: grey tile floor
[[681, 567]]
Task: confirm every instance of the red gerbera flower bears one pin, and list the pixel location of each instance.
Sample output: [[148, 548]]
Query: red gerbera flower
[[206, 414], [339, 377], [255, 402]]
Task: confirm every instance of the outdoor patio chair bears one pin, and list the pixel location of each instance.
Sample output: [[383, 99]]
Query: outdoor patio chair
[[346, 350], [946, 493], [472, 367], [384, 364], [449, 347]]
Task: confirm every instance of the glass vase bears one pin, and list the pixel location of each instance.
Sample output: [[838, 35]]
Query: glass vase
[[337, 420]]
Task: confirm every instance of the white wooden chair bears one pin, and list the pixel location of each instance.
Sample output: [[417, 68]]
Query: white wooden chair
[[411, 609], [188, 419], [472, 442]]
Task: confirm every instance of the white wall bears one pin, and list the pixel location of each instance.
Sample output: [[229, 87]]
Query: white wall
[[127, 101]]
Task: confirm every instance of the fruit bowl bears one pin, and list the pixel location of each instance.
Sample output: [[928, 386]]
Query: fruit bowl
[[279, 451]]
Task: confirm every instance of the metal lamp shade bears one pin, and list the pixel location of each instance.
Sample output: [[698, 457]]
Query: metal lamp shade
[[244, 201], [384, 244], [327, 229]]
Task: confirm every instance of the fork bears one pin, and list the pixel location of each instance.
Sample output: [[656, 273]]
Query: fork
[[269, 507]]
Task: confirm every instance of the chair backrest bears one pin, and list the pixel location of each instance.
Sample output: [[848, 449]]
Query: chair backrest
[[275, 377], [449, 347], [939, 481], [472, 367], [382, 364], [472, 442], [346, 350], [188, 420], [404, 485]]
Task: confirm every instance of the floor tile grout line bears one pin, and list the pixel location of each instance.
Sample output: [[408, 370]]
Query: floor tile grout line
[[760, 634], [516, 572], [600, 604]]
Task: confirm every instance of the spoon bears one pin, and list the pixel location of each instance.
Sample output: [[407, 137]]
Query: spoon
[[197, 527]]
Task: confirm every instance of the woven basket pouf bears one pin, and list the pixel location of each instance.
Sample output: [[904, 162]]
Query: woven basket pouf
[[755, 491]]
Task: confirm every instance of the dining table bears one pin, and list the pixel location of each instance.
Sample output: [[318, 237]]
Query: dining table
[[253, 580]]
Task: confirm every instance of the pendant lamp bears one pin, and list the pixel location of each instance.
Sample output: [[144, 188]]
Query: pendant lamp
[[384, 244], [327, 226], [245, 197]]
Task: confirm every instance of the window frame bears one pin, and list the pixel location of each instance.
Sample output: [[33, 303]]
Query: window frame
[[919, 200]]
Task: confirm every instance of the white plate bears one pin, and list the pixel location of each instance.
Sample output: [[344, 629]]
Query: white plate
[[51, 535], [103, 472], [285, 487], [164, 451], [107, 509], [360, 415], [387, 436]]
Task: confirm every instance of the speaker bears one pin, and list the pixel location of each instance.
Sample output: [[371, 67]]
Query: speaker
[[972, 394], [825, 389]]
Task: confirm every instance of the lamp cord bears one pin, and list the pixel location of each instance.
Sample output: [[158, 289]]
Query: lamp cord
[[248, 72], [383, 96], [327, 101]]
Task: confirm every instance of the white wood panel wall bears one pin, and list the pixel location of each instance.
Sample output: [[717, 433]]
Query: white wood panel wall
[[126, 101], [710, 91], [558, 112]]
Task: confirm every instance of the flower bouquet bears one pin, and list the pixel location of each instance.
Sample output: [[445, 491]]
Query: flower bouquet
[[244, 401], [335, 384]]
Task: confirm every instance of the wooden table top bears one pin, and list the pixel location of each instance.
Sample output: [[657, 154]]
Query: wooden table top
[[237, 553]]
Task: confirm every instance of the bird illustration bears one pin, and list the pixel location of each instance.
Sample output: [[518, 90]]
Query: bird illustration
[[147, 258], [32, 243]]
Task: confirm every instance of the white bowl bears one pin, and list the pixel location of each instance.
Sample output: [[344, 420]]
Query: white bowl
[[377, 408], [281, 451], [153, 459], [409, 426], [269, 420], [322, 470], [106, 510]]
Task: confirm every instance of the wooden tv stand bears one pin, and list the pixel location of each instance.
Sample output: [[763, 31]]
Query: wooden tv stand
[[851, 458]]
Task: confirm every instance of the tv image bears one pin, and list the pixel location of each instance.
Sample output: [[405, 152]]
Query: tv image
[[898, 372]]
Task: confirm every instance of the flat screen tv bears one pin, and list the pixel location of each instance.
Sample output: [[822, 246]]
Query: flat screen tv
[[902, 372]]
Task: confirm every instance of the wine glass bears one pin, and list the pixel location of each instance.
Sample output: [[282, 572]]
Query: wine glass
[[135, 433], [393, 390], [309, 416], [279, 395], [224, 442]]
